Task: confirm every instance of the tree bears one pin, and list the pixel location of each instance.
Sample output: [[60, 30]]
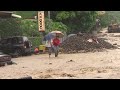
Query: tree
[[29, 28], [50, 25], [10, 27], [77, 20], [109, 17]]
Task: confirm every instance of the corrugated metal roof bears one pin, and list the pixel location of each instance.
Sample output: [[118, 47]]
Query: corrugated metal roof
[[8, 14]]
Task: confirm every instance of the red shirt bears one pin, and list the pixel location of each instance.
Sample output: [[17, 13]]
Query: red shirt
[[56, 41], [36, 49]]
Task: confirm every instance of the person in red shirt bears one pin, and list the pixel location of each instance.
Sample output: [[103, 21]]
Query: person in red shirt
[[56, 43]]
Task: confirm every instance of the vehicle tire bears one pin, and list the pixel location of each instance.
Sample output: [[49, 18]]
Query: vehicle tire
[[2, 64], [18, 52], [30, 54], [9, 63], [14, 56]]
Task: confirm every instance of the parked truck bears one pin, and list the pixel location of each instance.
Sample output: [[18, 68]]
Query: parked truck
[[114, 28]]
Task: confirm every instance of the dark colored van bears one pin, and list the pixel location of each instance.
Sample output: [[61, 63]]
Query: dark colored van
[[19, 45]]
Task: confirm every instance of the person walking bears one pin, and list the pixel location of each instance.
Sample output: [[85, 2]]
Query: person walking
[[56, 43]]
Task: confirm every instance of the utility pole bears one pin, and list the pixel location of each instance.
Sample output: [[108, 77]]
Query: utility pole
[[49, 14]]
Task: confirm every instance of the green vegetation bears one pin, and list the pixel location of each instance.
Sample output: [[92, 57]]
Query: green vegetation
[[52, 25], [77, 21], [9, 27], [110, 17], [29, 28], [36, 41]]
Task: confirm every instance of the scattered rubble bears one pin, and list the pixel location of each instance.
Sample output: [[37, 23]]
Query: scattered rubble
[[84, 42]]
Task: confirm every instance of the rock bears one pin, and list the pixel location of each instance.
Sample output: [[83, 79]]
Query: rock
[[67, 75], [70, 61], [98, 77], [45, 76], [28, 77], [50, 63], [115, 44], [99, 71], [102, 71]]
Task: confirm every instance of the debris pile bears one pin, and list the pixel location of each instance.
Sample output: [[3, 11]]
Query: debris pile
[[84, 43]]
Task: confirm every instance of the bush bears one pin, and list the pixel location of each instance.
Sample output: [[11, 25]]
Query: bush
[[36, 41], [29, 28]]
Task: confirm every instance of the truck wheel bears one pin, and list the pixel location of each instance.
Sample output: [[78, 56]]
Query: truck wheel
[[2, 64], [9, 63], [18, 52]]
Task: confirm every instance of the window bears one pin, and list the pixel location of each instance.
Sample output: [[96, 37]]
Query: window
[[25, 38], [14, 41]]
